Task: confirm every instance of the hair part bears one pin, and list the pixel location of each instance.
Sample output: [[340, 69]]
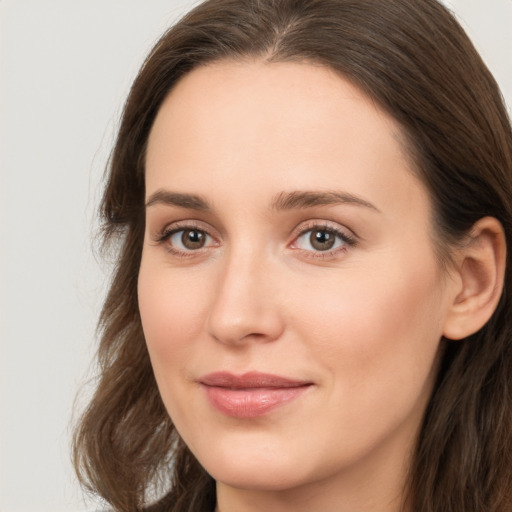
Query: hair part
[[415, 61]]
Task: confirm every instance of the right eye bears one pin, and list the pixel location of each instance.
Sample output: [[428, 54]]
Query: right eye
[[188, 239]]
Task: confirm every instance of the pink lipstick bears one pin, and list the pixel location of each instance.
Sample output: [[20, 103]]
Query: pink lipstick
[[251, 394]]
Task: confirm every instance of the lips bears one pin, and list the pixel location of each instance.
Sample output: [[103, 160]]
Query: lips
[[252, 394]]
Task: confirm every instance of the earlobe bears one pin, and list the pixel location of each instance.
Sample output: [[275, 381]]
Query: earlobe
[[480, 269]]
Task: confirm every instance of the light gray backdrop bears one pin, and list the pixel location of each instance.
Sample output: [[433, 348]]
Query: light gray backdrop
[[65, 68]]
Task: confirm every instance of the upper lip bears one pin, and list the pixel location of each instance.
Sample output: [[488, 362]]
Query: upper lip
[[250, 380]]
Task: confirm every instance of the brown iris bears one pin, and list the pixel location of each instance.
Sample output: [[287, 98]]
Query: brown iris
[[193, 239], [322, 240]]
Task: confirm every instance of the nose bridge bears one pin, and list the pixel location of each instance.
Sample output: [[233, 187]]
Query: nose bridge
[[244, 306]]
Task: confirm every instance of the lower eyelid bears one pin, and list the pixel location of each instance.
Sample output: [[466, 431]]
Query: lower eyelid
[[325, 255]]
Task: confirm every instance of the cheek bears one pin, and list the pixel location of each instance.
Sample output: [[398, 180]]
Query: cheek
[[377, 332], [172, 312], [376, 339]]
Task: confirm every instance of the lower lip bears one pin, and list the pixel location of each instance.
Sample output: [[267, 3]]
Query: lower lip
[[251, 402]]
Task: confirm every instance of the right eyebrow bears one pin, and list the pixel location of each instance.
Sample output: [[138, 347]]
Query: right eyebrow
[[166, 197]]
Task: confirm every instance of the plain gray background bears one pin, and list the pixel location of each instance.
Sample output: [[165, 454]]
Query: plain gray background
[[65, 69]]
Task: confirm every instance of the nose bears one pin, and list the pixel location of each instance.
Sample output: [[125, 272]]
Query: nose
[[245, 304]]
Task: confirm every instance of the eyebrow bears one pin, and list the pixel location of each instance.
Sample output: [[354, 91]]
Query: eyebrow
[[295, 200], [308, 199], [190, 201]]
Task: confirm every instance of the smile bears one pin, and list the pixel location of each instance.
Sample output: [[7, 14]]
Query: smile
[[252, 394]]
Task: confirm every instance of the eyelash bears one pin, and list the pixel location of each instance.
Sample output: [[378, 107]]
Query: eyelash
[[348, 240]]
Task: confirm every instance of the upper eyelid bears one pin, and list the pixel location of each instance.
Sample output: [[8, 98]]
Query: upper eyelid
[[320, 224], [189, 224]]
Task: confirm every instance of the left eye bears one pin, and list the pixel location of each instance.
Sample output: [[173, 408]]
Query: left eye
[[189, 239], [320, 240]]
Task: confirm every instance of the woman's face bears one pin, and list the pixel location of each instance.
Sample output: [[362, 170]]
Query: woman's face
[[289, 291]]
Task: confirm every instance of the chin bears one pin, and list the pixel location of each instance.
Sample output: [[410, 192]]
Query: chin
[[258, 479], [255, 470]]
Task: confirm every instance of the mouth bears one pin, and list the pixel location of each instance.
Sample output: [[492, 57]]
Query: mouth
[[252, 394]]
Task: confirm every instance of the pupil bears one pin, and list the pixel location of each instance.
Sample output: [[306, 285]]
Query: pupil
[[192, 239], [322, 240]]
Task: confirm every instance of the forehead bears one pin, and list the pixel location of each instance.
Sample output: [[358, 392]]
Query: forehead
[[286, 100], [282, 125]]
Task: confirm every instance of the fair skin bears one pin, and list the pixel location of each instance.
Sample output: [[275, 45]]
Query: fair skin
[[338, 288]]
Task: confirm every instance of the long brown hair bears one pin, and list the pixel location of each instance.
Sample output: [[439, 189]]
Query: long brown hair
[[414, 60]]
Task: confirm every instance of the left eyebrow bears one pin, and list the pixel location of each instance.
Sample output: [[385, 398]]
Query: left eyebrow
[[307, 199]]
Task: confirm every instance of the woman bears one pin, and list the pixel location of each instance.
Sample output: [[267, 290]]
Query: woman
[[310, 307]]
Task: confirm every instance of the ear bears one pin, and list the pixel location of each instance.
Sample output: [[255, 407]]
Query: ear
[[479, 274]]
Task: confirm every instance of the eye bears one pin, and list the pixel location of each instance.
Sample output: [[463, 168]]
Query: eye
[[188, 239], [322, 239]]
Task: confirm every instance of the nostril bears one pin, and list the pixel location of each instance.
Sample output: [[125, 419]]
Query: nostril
[[246, 325]]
